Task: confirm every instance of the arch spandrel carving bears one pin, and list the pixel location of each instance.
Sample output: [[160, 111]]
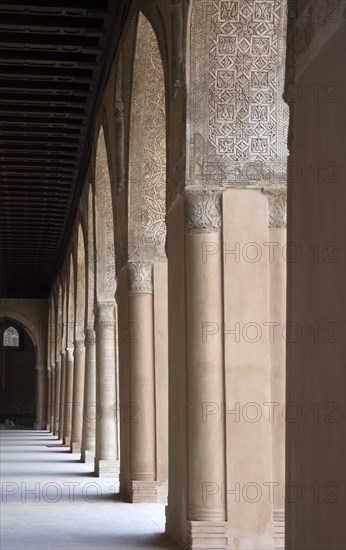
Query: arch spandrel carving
[[106, 280], [90, 255], [147, 166], [237, 117]]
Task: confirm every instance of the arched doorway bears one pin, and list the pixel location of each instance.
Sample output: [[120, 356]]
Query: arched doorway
[[17, 375]]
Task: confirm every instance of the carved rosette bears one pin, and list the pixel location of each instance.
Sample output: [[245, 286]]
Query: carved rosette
[[90, 336], [203, 211], [105, 314], [79, 347], [140, 278], [277, 207]]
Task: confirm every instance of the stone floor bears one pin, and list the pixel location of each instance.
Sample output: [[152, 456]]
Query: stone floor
[[51, 501]]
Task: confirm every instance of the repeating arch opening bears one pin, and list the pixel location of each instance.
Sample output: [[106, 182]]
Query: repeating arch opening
[[147, 166]]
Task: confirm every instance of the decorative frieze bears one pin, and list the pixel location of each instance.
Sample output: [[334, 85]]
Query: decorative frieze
[[140, 277], [105, 314], [203, 210], [277, 207]]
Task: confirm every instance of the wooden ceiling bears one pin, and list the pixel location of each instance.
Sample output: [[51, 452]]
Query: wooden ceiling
[[54, 57]]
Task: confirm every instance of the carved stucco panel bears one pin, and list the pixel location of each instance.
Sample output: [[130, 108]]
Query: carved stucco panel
[[238, 119], [104, 197], [147, 185]]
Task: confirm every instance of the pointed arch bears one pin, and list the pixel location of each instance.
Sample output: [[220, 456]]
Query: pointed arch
[[90, 256], [104, 223], [80, 285], [147, 155], [70, 305]]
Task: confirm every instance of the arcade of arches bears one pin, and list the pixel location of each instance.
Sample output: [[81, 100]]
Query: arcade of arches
[[189, 339]]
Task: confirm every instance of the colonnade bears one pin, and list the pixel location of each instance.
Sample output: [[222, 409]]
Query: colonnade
[[176, 276]]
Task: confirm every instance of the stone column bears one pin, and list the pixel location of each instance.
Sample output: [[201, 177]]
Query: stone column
[[68, 396], [52, 398], [277, 199], [57, 397], [78, 395], [206, 521], [106, 459], [62, 394], [49, 396], [40, 421], [89, 408], [142, 486]]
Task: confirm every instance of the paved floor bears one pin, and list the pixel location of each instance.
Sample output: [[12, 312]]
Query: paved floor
[[51, 501]]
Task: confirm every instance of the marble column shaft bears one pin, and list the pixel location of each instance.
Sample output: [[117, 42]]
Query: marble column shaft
[[57, 397], [205, 368], [68, 396], [142, 382], [106, 459], [89, 408], [78, 395]]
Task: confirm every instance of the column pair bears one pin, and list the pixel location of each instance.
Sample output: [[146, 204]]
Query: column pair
[[107, 453], [142, 485], [77, 396], [197, 511], [41, 392], [89, 410]]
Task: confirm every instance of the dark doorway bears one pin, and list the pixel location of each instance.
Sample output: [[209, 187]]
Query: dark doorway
[[17, 376]]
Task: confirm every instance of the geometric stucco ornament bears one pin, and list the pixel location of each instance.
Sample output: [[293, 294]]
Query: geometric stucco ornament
[[236, 112], [202, 210]]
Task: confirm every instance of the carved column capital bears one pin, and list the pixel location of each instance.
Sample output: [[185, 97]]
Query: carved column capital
[[277, 207], [79, 347], [140, 278], [57, 365], [69, 354], [62, 354], [203, 210], [105, 314], [90, 336]]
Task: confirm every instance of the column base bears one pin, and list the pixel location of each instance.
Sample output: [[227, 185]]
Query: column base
[[76, 447], [207, 534], [279, 529], [107, 468], [141, 492], [87, 456], [67, 441]]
